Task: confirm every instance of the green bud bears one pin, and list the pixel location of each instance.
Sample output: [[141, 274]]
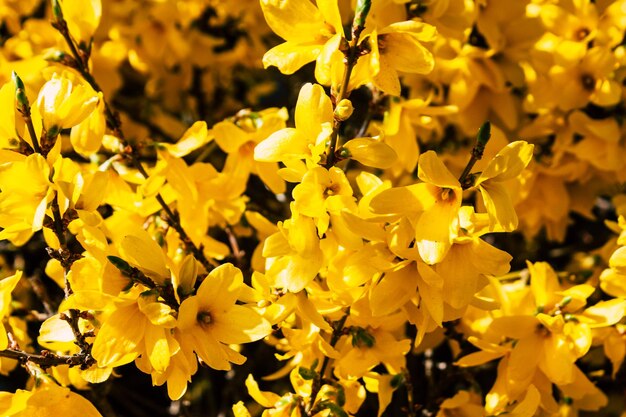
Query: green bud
[[361, 12], [307, 374], [570, 317], [341, 396], [120, 264], [334, 409], [20, 91], [397, 380], [566, 301], [484, 134], [344, 110], [57, 12], [55, 56]]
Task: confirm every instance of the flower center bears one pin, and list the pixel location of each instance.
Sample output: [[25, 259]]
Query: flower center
[[446, 194], [332, 190], [204, 318], [581, 33], [588, 82]]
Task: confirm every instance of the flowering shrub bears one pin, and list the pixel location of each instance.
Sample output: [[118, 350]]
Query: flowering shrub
[[297, 208]]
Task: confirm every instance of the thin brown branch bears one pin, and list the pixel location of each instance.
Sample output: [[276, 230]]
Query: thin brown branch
[[338, 327], [47, 359]]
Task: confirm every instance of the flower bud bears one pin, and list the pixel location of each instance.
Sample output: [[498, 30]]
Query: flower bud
[[57, 12], [344, 110], [20, 92], [361, 11]]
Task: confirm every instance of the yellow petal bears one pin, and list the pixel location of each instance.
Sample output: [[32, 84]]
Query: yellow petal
[[117, 341], [523, 361], [53, 400], [606, 313], [284, 144], [144, 253], [292, 20], [240, 324], [193, 138], [308, 311], [266, 399], [83, 17], [289, 57], [220, 289], [371, 152], [312, 110], [432, 170], [157, 348], [86, 137], [478, 358], [6, 287], [499, 206], [330, 12], [528, 406], [240, 410], [508, 163], [436, 222], [229, 136], [403, 52], [401, 200]]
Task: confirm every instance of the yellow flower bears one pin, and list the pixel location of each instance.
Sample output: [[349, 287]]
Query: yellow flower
[[137, 327], [83, 17], [86, 137], [436, 201], [26, 191], [398, 47], [6, 287], [239, 137], [210, 320], [505, 166], [368, 348], [322, 192], [63, 104], [462, 404], [371, 152], [293, 254], [311, 33], [589, 79], [314, 117], [46, 400]]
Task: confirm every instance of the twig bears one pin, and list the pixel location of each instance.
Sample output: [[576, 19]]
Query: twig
[[165, 291], [238, 254], [23, 107], [62, 254], [317, 382], [484, 133], [352, 56], [47, 359]]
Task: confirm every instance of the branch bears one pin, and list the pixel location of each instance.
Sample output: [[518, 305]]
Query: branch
[[484, 133], [165, 291], [352, 56], [317, 383], [47, 359]]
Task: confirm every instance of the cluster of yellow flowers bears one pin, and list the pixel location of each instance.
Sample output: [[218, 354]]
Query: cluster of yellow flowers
[[360, 235]]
